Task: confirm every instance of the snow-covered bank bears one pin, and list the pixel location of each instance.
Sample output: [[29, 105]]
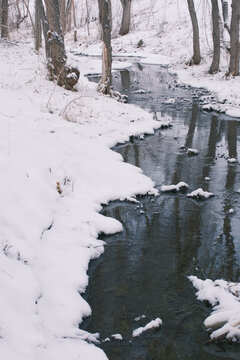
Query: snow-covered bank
[[224, 298], [164, 30], [56, 171]]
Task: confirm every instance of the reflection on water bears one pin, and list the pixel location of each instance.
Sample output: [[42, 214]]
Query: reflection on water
[[144, 269]]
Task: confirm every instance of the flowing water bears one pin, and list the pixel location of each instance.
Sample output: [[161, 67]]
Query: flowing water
[[144, 269]]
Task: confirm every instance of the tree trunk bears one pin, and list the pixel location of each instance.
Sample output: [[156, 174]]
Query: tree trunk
[[56, 50], [38, 27], [234, 39], [88, 20], [69, 15], [126, 17], [196, 45], [74, 22], [104, 18], [225, 14], [216, 38], [4, 19], [63, 15]]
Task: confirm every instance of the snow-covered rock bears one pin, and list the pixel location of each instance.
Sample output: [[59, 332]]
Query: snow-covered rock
[[192, 152], [200, 194]]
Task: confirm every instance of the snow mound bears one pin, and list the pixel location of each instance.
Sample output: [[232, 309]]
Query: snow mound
[[192, 152], [154, 324], [224, 297], [181, 186], [200, 194]]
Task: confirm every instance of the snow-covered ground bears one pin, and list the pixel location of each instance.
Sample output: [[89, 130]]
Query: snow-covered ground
[[56, 171]]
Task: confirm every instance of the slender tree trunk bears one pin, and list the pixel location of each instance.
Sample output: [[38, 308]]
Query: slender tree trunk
[[74, 22], [63, 15], [216, 38], [87, 10], [69, 15], [225, 14], [38, 27], [126, 17], [234, 39], [196, 59], [4, 19], [104, 18]]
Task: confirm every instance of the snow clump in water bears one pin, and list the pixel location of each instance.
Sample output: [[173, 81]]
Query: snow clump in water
[[173, 188], [154, 324]]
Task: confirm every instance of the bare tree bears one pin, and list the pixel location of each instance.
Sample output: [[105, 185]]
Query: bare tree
[[234, 39], [196, 59], [88, 20], [69, 15], [126, 17], [104, 18], [55, 42], [225, 14], [4, 19], [216, 38], [54, 46], [38, 27], [74, 22]]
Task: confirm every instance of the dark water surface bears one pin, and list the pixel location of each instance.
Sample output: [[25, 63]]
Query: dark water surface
[[144, 269]]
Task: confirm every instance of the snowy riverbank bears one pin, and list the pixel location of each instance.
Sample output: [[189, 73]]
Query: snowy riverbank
[[56, 171], [161, 33]]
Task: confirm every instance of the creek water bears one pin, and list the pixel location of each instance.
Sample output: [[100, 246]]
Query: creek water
[[144, 268]]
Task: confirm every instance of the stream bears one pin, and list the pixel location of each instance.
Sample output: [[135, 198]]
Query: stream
[[144, 268]]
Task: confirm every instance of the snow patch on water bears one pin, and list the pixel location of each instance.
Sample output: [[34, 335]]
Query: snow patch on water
[[154, 324]]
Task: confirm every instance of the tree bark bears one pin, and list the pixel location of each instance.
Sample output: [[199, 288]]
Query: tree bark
[[234, 39], [196, 59], [104, 18], [216, 38], [4, 19], [38, 27], [126, 17], [56, 60]]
